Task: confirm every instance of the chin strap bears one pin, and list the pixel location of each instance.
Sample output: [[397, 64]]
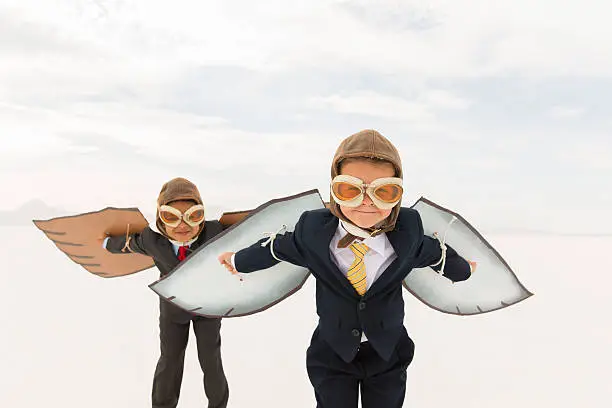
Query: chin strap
[[443, 246], [354, 232], [271, 236]]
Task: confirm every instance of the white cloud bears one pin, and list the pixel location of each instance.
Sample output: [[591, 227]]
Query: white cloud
[[420, 111], [566, 112], [374, 104], [589, 155], [25, 134], [441, 99], [158, 133], [471, 38], [484, 163]]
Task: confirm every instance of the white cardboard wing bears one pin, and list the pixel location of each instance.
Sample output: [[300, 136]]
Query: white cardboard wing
[[204, 287], [493, 285]]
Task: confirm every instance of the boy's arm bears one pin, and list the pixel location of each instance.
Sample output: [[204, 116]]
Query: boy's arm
[[429, 253], [286, 247], [137, 243]]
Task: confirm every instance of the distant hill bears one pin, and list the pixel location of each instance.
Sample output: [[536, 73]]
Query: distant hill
[[31, 210]]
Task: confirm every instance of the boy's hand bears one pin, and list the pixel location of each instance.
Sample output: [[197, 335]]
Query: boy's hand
[[472, 266], [100, 241], [225, 259]]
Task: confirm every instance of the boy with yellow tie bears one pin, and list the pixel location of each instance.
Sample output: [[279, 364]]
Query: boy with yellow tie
[[359, 250]]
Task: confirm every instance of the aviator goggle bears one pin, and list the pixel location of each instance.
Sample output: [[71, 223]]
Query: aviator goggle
[[350, 191], [172, 217]]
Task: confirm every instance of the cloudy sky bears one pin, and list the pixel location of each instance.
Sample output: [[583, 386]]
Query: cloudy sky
[[502, 110]]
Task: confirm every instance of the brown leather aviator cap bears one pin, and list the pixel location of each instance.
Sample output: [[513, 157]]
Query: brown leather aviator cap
[[368, 144], [174, 190]]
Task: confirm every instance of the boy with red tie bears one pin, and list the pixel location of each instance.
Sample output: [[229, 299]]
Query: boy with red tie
[[182, 228], [359, 250]]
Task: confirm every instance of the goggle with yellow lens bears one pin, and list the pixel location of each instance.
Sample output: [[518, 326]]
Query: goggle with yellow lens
[[350, 191], [172, 217]]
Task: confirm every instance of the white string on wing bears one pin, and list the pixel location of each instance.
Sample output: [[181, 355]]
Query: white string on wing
[[270, 240], [443, 245]]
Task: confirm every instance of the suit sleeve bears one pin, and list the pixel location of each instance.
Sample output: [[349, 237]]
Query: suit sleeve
[[287, 247], [141, 243], [428, 253]]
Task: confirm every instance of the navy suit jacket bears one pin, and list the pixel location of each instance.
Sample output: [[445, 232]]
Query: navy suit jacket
[[343, 313], [158, 247]]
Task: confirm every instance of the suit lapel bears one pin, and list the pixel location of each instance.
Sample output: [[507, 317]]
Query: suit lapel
[[165, 254], [170, 251], [322, 240], [401, 246]]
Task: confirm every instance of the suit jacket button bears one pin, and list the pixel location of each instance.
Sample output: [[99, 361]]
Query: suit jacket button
[[361, 305], [356, 333]]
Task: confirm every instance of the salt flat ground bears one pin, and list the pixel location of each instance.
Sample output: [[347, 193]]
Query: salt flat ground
[[71, 339]]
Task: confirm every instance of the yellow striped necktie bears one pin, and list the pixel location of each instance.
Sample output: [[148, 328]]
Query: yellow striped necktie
[[357, 272]]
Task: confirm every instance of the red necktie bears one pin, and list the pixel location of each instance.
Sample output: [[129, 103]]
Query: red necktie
[[182, 252]]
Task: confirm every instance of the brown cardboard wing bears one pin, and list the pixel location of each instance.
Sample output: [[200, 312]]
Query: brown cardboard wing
[[234, 217], [79, 237]]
